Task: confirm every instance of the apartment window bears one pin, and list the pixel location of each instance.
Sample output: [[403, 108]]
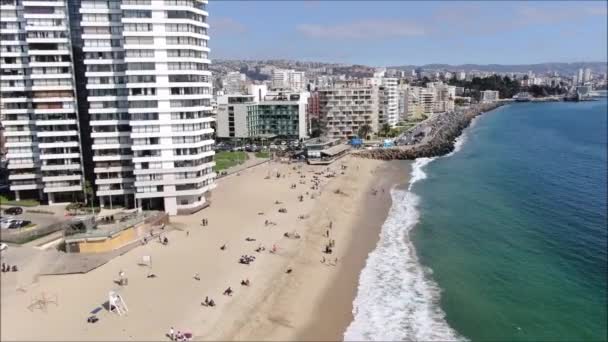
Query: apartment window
[[137, 14], [186, 53], [142, 91], [190, 91], [144, 116], [186, 41], [43, 10], [189, 103], [143, 104], [138, 27], [188, 78], [186, 15], [137, 2], [140, 53], [140, 66], [186, 66], [139, 40], [142, 79]]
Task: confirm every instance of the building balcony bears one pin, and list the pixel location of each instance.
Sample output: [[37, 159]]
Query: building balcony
[[20, 187], [57, 134], [112, 158], [197, 168], [119, 180], [60, 167], [59, 144], [121, 168], [51, 189], [44, 156], [115, 192], [22, 176], [193, 192], [61, 178]]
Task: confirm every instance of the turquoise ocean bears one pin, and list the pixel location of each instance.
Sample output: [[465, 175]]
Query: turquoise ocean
[[503, 239]]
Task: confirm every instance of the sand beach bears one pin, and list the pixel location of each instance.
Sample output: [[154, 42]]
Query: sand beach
[[311, 302]]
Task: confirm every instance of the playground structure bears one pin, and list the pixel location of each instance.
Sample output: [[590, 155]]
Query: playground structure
[[42, 301]]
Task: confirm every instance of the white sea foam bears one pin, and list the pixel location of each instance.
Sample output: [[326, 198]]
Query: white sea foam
[[396, 299]]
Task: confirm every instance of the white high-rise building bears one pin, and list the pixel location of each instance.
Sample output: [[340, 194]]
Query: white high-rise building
[[234, 83], [346, 107], [586, 75], [389, 101], [149, 94], [288, 79], [38, 101], [580, 76]]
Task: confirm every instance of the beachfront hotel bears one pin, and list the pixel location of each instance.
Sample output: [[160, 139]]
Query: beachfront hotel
[[148, 92], [38, 101], [278, 114], [139, 124]]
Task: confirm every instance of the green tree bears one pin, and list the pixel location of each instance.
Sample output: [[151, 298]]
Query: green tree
[[89, 192], [316, 128], [385, 130], [364, 131]]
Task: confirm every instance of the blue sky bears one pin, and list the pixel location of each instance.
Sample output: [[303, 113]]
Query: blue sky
[[382, 33]]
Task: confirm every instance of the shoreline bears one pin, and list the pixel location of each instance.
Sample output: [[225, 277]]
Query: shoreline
[[335, 311]]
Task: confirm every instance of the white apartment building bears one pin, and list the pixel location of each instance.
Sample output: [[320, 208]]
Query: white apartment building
[[444, 96], [347, 106], [489, 96], [586, 75], [38, 102], [149, 102], [234, 83], [288, 79], [389, 102], [420, 102]]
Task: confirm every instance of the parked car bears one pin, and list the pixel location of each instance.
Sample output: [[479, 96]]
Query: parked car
[[14, 211], [3, 246]]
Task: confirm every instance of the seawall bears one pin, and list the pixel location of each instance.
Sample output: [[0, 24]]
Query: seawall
[[432, 137]]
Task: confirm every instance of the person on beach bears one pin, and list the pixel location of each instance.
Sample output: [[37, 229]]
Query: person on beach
[[323, 260], [172, 334], [196, 276], [187, 233]]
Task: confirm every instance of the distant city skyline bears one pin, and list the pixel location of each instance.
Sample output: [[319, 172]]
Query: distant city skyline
[[386, 33]]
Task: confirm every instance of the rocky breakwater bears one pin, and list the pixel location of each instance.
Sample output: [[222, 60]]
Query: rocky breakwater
[[432, 137]]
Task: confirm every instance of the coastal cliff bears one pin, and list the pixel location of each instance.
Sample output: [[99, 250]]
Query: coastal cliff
[[432, 137]]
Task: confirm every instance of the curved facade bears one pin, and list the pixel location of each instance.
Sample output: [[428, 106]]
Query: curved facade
[[38, 102], [149, 91]]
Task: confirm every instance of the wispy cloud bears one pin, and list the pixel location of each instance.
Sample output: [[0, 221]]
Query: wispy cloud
[[362, 29], [226, 25]]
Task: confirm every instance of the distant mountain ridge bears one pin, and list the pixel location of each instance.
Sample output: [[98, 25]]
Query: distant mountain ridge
[[538, 68], [562, 68]]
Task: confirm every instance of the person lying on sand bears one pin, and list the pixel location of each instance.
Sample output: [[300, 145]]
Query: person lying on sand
[[228, 291]]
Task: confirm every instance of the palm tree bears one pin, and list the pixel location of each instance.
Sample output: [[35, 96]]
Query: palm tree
[[89, 192], [364, 131], [385, 130]]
